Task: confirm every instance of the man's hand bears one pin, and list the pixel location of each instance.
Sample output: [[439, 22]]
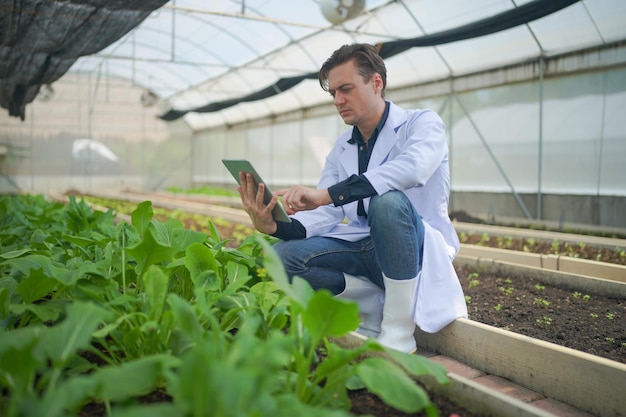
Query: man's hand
[[298, 198], [252, 203]]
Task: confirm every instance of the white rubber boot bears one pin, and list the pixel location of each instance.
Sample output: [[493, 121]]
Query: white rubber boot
[[398, 327], [369, 297]]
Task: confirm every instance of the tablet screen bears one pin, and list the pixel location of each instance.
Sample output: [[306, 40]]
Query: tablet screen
[[234, 166]]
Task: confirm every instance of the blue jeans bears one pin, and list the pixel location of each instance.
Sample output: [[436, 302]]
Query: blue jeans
[[394, 247]]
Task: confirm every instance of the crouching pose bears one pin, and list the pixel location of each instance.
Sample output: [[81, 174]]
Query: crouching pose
[[388, 176]]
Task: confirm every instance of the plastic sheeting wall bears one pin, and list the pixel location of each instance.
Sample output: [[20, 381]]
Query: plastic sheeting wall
[[583, 143], [565, 135], [43, 153]]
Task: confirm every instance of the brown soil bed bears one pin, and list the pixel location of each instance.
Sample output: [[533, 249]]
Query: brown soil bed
[[577, 320]]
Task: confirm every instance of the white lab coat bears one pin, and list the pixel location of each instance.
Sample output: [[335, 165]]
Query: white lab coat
[[410, 154]]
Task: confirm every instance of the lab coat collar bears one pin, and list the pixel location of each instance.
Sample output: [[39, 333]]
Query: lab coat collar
[[387, 139]]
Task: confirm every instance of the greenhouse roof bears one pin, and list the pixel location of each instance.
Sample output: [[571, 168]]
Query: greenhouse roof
[[222, 62]]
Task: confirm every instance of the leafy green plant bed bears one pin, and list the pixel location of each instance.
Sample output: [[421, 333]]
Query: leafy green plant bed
[[150, 318], [579, 250], [204, 190]]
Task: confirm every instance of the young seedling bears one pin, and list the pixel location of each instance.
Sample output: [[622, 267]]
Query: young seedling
[[529, 244], [545, 321], [506, 291], [541, 302], [473, 281], [555, 247], [585, 297]]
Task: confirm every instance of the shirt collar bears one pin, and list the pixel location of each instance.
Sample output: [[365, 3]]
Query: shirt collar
[[356, 134]]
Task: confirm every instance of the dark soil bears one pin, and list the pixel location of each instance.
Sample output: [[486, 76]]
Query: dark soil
[[523, 305]]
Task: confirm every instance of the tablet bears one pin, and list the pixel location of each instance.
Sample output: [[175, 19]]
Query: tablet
[[236, 165]]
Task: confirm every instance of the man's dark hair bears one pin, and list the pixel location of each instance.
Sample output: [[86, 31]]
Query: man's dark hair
[[366, 58]]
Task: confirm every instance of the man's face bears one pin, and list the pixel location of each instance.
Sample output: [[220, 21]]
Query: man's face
[[356, 99]]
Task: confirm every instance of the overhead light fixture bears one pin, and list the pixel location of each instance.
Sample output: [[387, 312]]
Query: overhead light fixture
[[148, 98], [46, 92], [338, 11]]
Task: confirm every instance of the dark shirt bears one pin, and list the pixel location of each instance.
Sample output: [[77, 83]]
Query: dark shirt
[[355, 187]]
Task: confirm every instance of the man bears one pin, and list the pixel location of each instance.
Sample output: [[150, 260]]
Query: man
[[388, 176]]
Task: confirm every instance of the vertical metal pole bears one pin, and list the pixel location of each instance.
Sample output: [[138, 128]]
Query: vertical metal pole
[[173, 33], [451, 150], [598, 217], [90, 105], [540, 150], [32, 147]]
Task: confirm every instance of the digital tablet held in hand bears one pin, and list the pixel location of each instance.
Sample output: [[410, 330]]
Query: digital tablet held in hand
[[237, 165]]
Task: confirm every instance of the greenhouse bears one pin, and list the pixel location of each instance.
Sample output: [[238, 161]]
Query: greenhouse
[[150, 94], [440, 231]]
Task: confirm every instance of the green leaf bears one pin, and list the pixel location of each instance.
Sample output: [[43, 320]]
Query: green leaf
[[237, 276], [337, 359], [70, 394], [199, 258], [81, 268], [47, 312], [214, 232], [15, 253], [182, 238], [131, 379], [275, 268], [20, 358], [75, 332], [303, 290], [267, 294], [392, 385], [32, 262], [142, 216], [163, 232], [191, 385], [5, 297], [204, 269], [79, 240], [418, 365], [149, 251], [35, 286], [155, 283], [186, 318], [328, 316], [223, 386], [11, 285]]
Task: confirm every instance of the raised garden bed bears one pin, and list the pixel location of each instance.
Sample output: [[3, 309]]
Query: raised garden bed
[[566, 317]]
